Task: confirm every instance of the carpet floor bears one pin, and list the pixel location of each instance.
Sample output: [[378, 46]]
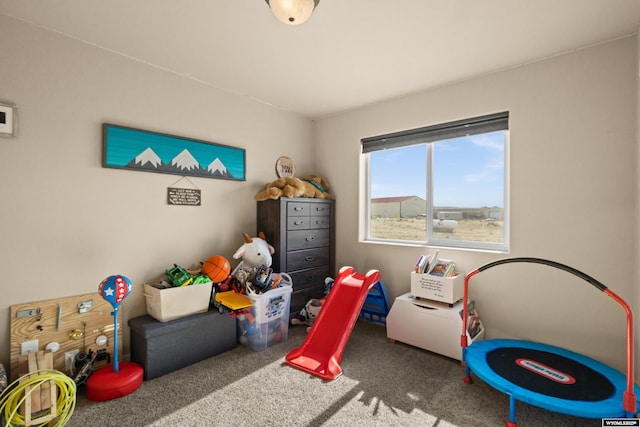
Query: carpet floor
[[382, 384]]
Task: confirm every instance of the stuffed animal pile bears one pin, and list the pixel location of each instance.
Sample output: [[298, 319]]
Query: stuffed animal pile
[[310, 186]]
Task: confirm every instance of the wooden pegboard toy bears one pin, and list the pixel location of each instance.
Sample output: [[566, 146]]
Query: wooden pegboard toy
[[75, 323]]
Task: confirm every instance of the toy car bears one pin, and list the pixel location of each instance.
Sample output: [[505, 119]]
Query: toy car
[[178, 276], [262, 281]]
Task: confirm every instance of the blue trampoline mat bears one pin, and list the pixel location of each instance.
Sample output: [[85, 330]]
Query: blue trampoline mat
[[549, 377]]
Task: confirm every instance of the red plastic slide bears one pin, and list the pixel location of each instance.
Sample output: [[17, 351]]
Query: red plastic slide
[[321, 351]]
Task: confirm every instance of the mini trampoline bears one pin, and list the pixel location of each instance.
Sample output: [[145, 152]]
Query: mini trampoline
[[551, 377]]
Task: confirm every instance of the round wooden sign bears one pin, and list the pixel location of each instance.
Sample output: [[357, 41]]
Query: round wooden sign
[[285, 167]]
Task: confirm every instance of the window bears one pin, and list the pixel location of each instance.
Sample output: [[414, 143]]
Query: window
[[442, 185]]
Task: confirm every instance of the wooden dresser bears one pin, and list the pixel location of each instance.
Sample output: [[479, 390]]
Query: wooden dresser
[[302, 231]]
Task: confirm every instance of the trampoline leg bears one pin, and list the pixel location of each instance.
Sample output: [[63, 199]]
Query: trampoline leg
[[512, 412], [467, 375]]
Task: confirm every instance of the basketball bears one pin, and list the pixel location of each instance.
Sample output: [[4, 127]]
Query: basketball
[[217, 268]]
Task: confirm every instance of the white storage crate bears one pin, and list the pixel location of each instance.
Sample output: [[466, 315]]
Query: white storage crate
[[172, 303], [444, 289], [268, 322]]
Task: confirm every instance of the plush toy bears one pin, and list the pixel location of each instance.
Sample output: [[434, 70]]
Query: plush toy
[[316, 186], [255, 252], [310, 186], [285, 187], [310, 311]]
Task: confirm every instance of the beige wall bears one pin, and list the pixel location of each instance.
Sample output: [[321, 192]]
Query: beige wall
[[573, 191], [66, 223]]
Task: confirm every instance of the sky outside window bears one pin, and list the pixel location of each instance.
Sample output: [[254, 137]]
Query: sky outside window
[[467, 171]]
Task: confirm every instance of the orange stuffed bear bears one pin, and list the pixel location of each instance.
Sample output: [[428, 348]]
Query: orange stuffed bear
[[310, 186]]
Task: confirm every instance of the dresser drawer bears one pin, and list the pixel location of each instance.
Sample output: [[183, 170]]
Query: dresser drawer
[[298, 223], [301, 260], [308, 209], [319, 222], [298, 209], [311, 277], [307, 222], [307, 239], [320, 209]]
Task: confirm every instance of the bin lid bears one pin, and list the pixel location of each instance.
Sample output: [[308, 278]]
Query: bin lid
[[150, 327]]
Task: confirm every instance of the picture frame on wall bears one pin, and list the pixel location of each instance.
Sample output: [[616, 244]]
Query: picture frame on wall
[[8, 120], [141, 150]]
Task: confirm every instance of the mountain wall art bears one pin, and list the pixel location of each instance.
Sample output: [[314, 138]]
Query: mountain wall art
[[135, 149]]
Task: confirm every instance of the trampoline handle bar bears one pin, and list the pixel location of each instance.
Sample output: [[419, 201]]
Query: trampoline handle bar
[[564, 267], [629, 399], [465, 310]]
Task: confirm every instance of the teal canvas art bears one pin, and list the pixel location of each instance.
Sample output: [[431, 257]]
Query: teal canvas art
[[135, 149]]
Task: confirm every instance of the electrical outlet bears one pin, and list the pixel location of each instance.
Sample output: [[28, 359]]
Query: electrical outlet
[[68, 359], [29, 347]]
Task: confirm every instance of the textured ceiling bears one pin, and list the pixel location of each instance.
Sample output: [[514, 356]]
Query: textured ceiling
[[349, 54]]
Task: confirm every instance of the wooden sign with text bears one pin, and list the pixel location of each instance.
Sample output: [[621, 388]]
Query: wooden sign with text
[[184, 196]]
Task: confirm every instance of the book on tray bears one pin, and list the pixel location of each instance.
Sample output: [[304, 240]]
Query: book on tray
[[431, 264], [442, 268]]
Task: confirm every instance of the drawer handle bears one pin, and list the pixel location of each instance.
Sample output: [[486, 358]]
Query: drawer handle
[[308, 278], [309, 239], [298, 222], [296, 208], [309, 258]]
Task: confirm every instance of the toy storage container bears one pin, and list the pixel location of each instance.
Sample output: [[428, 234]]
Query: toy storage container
[[443, 289], [173, 303], [163, 347], [432, 325], [268, 322]]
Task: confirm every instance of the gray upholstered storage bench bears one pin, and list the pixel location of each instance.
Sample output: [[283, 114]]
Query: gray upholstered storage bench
[[163, 347]]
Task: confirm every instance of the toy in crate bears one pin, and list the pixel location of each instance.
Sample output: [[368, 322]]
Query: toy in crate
[[217, 268], [185, 292], [178, 276], [255, 254]]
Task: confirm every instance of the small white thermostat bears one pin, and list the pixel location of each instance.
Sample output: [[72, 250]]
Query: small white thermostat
[[8, 120]]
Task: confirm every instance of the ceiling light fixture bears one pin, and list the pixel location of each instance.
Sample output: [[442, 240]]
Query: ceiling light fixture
[[292, 12]]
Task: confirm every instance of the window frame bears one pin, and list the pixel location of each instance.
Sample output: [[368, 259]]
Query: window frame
[[430, 135]]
